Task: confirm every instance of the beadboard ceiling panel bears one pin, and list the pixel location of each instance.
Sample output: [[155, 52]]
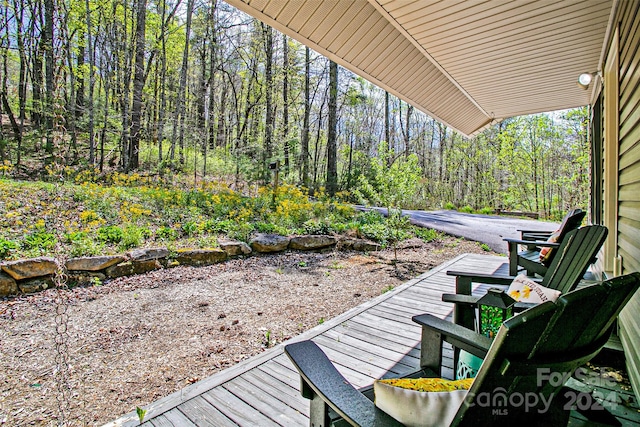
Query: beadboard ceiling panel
[[467, 63]]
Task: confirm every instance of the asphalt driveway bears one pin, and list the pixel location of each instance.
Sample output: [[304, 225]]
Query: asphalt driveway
[[489, 229]]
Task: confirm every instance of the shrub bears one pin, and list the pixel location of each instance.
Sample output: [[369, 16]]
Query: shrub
[[217, 226], [426, 234], [369, 217], [40, 240], [190, 228], [314, 226], [466, 209], [133, 236], [241, 231], [7, 247], [450, 206], [86, 247], [110, 234], [377, 232], [166, 233]]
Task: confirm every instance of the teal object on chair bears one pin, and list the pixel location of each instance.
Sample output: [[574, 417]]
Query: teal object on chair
[[468, 365]]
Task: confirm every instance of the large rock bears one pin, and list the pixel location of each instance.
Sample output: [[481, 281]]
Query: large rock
[[198, 257], [366, 246], [8, 285], [269, 243], [35, 285], [29, 268], [359, 245], [132, 267], [234, 248], [147, 254], [311, 242], [93, 263], [86, 277]]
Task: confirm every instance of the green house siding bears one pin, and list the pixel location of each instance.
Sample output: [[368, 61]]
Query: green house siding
[[629, 176]]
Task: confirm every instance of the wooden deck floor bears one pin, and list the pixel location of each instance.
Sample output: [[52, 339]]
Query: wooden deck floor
[[374, 340]]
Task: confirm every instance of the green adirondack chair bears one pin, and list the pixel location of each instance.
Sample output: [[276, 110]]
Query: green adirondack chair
[[575, 253], [534, 241], [526, 358]]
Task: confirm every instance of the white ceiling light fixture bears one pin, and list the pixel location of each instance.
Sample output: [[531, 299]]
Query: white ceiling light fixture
[[585, 79]]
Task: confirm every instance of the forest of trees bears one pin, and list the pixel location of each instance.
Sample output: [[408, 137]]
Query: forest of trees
[[197, 87]]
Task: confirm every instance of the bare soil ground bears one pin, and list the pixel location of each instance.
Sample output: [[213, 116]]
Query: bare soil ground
[[133, 340]]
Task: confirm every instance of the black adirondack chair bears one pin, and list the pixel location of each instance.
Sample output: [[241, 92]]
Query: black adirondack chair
[[548, 338], [574, 255], [534, 241]]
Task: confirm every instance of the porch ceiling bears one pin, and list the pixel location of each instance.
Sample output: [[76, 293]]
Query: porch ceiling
[[467, 63]]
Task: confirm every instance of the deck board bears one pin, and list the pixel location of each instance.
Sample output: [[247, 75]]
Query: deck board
[[203, 414], [374, 340]]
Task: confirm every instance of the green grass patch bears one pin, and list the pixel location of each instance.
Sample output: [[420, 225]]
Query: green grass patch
[[86, 216]]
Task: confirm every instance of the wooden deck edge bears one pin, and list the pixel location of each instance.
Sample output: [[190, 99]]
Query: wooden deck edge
[[172, 400]]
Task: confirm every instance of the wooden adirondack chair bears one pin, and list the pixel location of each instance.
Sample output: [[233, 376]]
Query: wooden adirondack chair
[[534, 241], [575, 253], [550, 338]]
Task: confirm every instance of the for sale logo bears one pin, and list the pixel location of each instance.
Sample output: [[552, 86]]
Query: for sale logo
[[499, 401]]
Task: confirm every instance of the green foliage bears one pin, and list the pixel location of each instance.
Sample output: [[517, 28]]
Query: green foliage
[[141, 413], [392, 181], [241, 231], [39, 241], [466, 209], [166, 233], [83, 245], [449, 206], [110, 234], [426, 234], [7, 247], [190, 228], [389, 288], [378, 232], [369, 217], [133, 236], [315, 226]]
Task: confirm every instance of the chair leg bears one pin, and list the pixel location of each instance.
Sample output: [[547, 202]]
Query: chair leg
[[513, 258], [319, 413]]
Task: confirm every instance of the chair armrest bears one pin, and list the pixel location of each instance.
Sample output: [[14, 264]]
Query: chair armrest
[[490, 279], [530, 242], [471, 300], [522, 306], [522, 231], [436, 330], [535, 235], [321, 380]]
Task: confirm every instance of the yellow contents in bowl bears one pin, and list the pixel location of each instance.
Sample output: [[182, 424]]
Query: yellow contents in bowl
[[429, 384]]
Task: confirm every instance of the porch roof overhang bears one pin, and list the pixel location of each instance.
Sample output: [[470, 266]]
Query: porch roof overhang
[[466, 63]]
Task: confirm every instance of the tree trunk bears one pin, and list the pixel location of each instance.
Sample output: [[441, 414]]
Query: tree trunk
[[22, 77], [92, 82], [285, 101], [268, 126], [387, 129], [178, 118], [37, 78], [332, 143], [47, 43], [138, 84], [304, 149]]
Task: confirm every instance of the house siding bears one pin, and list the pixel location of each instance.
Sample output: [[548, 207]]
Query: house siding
[[629, 176]]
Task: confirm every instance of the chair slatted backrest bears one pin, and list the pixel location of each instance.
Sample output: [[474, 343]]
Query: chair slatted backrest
[[532, 351], [571, 221], [574, 255]]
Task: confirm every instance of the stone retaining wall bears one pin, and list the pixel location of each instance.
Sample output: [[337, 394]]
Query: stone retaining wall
[[36, 274]]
